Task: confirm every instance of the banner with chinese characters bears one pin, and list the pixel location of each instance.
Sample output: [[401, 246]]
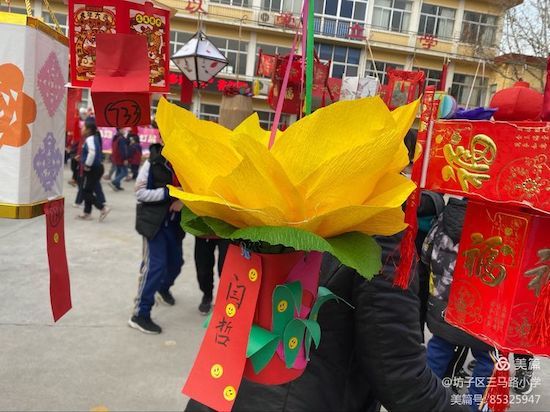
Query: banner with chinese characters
[[32, 113], [87, 18], [503, 265], [494, 161]]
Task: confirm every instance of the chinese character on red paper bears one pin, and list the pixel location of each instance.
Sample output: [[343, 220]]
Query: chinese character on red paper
[[356, 32], [194, 6], [224, 327], [286, 20], [236, 291], [428, 41]]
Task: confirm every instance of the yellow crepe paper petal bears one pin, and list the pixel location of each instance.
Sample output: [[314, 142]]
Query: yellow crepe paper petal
[[231, 213], [251, 127], [328, 132]]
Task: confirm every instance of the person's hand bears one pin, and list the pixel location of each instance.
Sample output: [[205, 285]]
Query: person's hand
[[87, 168], [176, 206]]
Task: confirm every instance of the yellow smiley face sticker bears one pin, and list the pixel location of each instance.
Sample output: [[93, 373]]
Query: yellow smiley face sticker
[[282, 306], [253, 275], [56, 237], [216, 371], [230, 310], [229, 393], [293, 342]]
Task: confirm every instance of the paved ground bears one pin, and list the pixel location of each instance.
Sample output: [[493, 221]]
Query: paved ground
[[91, 359]]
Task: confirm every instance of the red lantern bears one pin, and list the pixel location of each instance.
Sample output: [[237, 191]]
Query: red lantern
[[517, 103], [502, 269], [492, 161], [403, 87]]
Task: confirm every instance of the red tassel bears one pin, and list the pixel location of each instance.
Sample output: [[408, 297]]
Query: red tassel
[[498, 390], [540, 326], [408, 247]]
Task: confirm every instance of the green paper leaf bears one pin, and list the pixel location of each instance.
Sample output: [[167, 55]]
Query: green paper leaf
[[193, 224], [296, 291], [207, 320], [293, 337], [354, 249], [323, 295], [282, 308], [262, 345]]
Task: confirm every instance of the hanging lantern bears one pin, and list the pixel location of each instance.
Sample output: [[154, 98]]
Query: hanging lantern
[[403, 87], [33, 101], [199, 60], [519, 102]]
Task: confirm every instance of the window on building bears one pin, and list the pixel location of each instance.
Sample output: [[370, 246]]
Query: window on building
[[433, 77], [382, 69], [237, 3], [393, 15], [269, 49], [438, 21], [478, 28], [178, 39], [282, 6], [61, 19], [462, 86], [335, 18], [267, 117], [10, 9], [210, 112], [230, 49], [345, 60]]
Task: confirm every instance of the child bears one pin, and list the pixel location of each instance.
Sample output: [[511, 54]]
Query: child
[[135, 155]]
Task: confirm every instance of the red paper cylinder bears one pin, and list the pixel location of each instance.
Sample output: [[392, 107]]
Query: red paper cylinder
[[275, 271]]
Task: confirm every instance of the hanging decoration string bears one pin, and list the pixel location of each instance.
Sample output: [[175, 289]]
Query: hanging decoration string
[[309, 55], [371, 55], [52, 16], [473, 85], [28, 7], [243, 18], [282, 93]]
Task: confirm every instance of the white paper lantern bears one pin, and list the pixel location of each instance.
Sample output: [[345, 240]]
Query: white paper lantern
[[199, 59], [33, 98]]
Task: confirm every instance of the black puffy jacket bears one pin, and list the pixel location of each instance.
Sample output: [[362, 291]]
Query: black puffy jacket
[[367, 355], [440, 252]]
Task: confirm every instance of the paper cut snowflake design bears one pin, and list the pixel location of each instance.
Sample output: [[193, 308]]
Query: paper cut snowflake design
[[48, 162], [51, 84]]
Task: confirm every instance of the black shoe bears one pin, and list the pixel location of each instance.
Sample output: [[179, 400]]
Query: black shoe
[[522, 385], [166, 298], [206, 305], [145, 325]]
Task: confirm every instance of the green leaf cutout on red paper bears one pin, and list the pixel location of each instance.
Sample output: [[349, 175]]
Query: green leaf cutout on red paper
[[284, 306], [262, 345], [293, 338]]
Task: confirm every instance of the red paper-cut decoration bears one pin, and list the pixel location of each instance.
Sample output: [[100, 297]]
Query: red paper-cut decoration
[[195, 6], [60, 288], [120, 91], [356, 32], [428, 41]]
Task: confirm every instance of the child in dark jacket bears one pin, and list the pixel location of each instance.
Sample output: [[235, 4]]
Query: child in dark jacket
[[136, 153], [448, 343]]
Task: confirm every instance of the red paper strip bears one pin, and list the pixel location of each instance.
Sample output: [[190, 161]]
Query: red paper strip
[[218, 369], [60, 288]]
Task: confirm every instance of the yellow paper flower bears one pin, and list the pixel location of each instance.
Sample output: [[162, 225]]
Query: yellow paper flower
[[332, 172]]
